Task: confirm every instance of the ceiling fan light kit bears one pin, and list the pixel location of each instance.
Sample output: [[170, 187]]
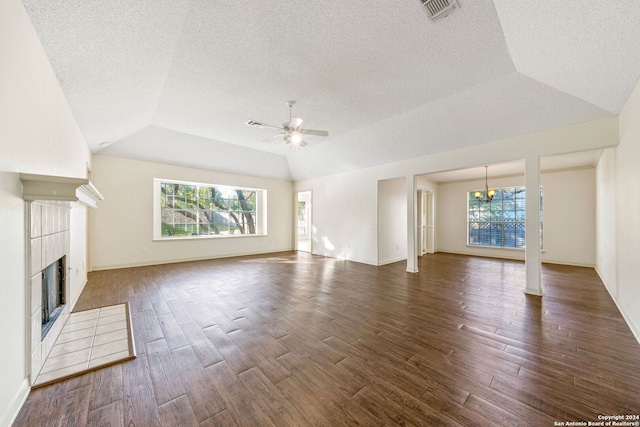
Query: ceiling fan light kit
[[290, 132]]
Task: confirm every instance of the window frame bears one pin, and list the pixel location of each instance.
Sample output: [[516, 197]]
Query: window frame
[[501, 223], [260, 211]]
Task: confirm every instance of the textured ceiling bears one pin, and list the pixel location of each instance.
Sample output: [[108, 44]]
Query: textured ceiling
[[161, 80]]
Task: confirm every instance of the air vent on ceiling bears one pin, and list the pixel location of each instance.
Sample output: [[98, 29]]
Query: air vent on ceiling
[[437, 9]]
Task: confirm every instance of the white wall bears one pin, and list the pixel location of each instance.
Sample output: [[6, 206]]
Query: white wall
[[619, 215], [606, 242], [78, 252], [345, 215], [13, 352], [628, 211], [38, 134], [569, 217], [392, 220], [122, 227], [352, 196]]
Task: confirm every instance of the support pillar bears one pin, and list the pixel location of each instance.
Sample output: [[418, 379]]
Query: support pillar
[[412, 224], [533, 260]]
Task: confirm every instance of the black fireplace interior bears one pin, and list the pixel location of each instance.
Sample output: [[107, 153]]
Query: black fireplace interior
[[53, 293]]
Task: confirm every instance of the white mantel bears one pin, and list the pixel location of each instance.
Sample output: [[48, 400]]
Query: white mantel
[[59, 188]]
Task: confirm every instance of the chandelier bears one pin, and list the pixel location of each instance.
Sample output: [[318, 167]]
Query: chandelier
[[488, 194]]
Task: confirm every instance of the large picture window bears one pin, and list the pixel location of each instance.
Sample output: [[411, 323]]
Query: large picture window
[[185, 209], [501, 222]]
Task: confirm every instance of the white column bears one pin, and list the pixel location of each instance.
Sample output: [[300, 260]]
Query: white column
[[412, 224], [532, 225]]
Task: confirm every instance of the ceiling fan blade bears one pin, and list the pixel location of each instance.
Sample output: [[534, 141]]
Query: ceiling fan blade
[[313, 132], [295, 123], [290, 132], [260, 125], [274, 137]]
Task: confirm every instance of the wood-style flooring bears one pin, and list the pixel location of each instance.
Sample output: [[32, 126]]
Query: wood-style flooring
[[295, 339]]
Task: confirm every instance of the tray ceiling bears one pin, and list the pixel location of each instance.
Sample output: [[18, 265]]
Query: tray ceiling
[[175, 80]]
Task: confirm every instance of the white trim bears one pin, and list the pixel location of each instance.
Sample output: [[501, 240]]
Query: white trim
[[175, 261], [502, 248], [58, 188], [73, 303], [514, 258], [261, 210], [207, 236], [13, 409], [627, 319], [88, 195], [391, 261]]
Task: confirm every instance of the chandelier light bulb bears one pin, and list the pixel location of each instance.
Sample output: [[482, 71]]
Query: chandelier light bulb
[[488, 194]]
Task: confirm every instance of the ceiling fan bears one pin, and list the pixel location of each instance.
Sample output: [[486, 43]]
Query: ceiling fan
[[290, 132]]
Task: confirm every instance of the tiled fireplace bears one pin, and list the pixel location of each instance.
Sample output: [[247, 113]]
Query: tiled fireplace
[[49, 242], [48, 203]]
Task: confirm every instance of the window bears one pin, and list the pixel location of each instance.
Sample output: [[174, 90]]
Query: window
[[499, 223], [186, 209]]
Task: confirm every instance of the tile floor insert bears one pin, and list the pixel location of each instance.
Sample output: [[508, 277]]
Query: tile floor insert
[[89, 340]]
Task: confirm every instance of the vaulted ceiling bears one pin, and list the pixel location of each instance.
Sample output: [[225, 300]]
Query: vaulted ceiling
[[174, 81]]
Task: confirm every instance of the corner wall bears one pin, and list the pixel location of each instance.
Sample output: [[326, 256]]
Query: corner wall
[[122, 227], [392, 220], [618, 221], [38, 134], [345, 224]]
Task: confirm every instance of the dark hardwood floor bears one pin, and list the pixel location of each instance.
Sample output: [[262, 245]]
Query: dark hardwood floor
[[295, 339]]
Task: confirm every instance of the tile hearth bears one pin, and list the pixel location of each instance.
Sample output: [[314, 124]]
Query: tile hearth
[[89, 340]]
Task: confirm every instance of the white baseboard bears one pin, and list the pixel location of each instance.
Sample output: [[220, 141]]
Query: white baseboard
[[517, 258], [391, 261], [175, 261], [571, 263], [16, 403], [627, 319], [77, 297]]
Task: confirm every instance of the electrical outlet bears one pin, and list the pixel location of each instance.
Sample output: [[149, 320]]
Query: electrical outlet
[[145, 250]]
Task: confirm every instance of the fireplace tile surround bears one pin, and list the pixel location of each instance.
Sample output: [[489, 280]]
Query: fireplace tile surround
[[48, 202], [49, 240]]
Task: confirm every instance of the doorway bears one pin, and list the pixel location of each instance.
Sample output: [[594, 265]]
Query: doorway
[[303, 221], [426, 233]]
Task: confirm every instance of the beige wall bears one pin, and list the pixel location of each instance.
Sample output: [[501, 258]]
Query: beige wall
[[569, 217], [618, 221], [122, 227], [353, 195], [392, 220], [39, 135]]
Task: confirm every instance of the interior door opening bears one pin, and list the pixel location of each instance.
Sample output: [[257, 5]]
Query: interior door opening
[[426, 223], [303, 222]]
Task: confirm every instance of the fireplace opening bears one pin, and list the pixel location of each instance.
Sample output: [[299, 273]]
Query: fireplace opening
[[53, 293]]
